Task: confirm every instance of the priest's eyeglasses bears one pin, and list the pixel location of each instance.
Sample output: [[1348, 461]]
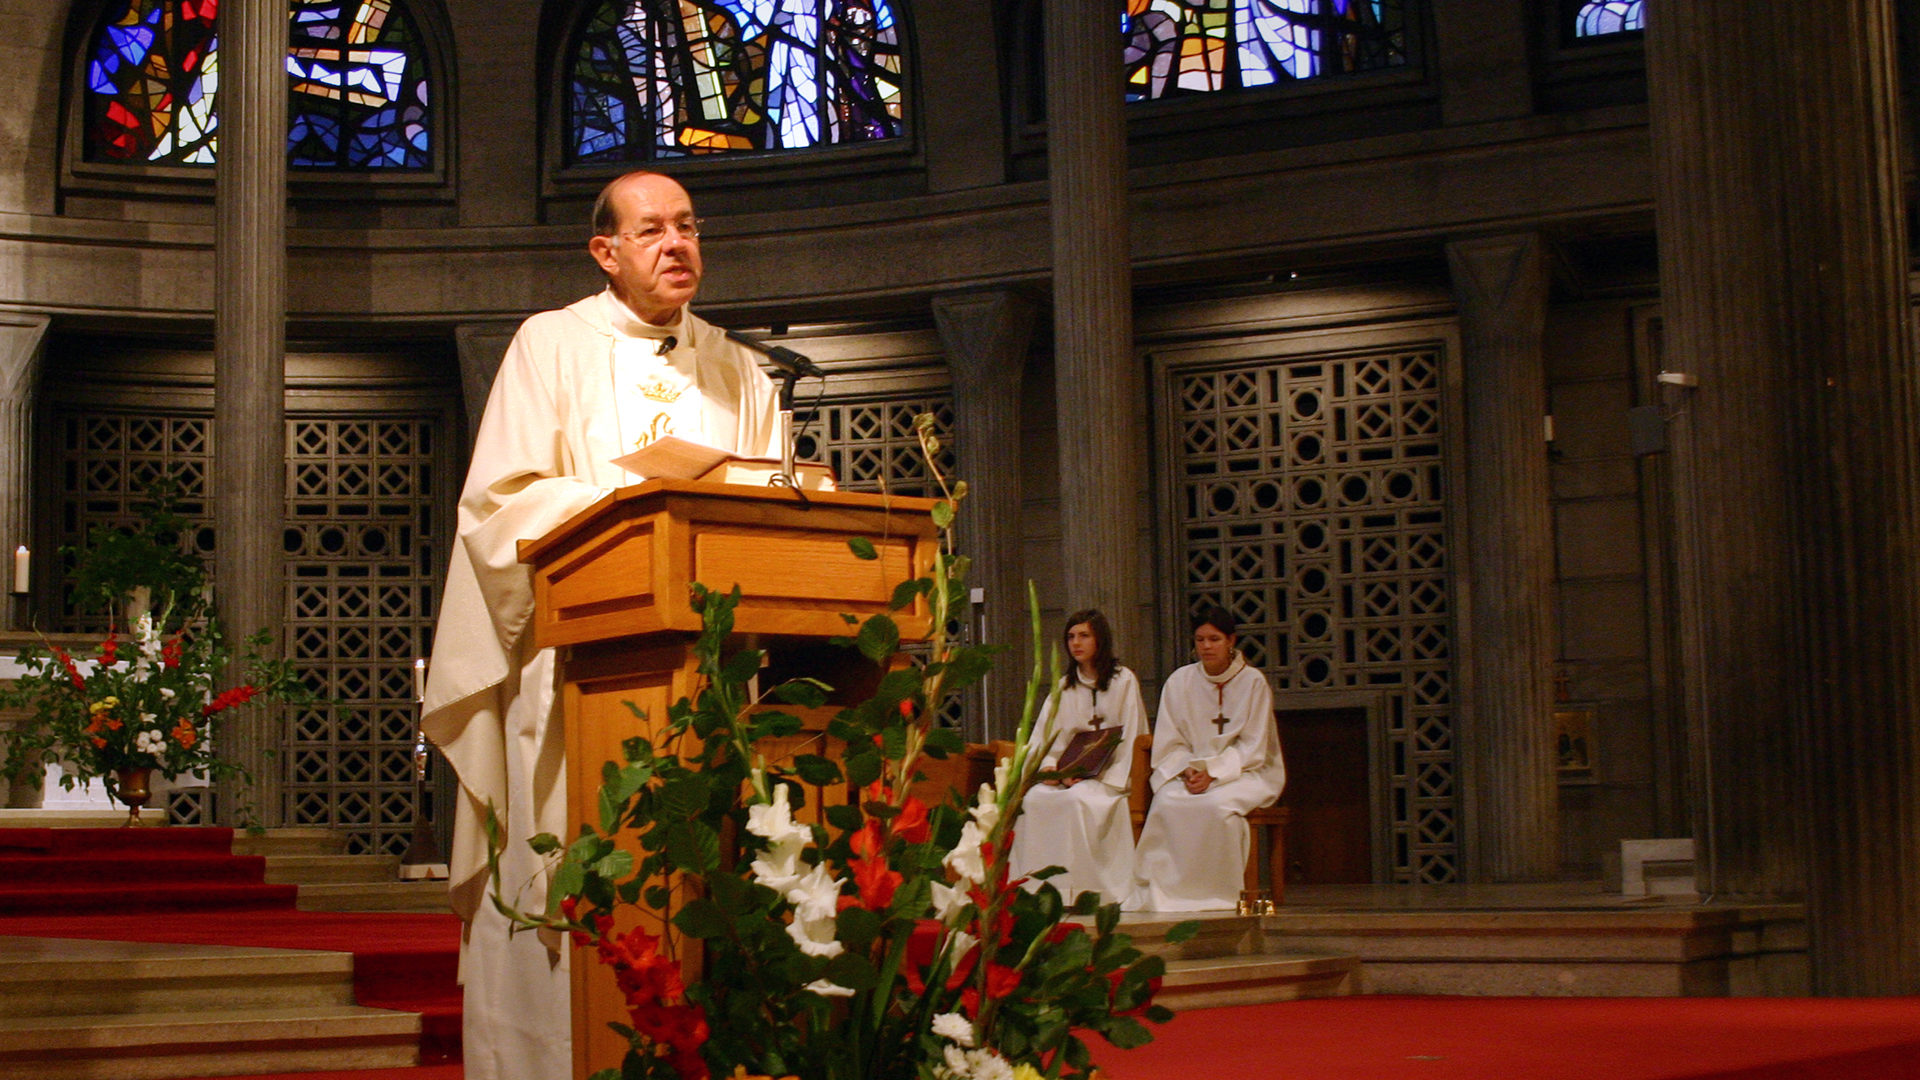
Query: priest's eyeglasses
[[655, 232]]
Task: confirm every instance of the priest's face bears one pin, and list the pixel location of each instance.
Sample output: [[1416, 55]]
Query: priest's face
[[653, 260], [1212, 648]]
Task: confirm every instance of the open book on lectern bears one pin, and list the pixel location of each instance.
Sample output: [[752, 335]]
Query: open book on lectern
[[673, 458]]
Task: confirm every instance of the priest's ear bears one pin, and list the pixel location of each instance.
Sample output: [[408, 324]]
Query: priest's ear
[[605, 251]]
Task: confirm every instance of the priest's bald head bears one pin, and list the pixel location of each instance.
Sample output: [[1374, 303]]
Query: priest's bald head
[[648, 242]]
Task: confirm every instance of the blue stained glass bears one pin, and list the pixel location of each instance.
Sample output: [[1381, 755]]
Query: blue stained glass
[[1174, 48], [152, 80], [1600, 18], [709, 76]]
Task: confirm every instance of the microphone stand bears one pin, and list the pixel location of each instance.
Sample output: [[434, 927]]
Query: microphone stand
[[787, 379]]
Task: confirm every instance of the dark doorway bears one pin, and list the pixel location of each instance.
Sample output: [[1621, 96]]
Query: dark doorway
[[1330, 837]]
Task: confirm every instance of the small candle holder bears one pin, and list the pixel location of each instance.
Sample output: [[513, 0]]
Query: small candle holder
[[1254, 902]]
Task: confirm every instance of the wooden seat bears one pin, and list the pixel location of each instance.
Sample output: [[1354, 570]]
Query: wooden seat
[[1269, 825]]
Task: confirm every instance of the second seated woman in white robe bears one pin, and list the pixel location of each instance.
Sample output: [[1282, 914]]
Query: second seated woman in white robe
[[1082, 823], [1216, 755]]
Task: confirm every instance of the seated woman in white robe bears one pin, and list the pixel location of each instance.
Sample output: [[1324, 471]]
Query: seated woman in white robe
[[1216, 755], [1081, 822]]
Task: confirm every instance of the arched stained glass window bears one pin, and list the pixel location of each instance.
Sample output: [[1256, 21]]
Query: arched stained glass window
[[1180, 47], [653, 79], [358, 73], [1598, 18]]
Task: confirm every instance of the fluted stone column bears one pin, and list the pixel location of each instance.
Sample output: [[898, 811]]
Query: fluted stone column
[[20, 340], [1513, 799], [1783, 268], [249, 365], [986, 337], [1098, 383]]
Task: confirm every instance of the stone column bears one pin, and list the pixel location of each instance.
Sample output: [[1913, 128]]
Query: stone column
[[249, 367], [1103, 471], [481, 347], [1783, 269], [1513, 798], [986, 337], [21, 337]]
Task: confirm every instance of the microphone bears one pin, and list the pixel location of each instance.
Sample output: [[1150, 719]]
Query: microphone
[[788, 361], [666, 345]]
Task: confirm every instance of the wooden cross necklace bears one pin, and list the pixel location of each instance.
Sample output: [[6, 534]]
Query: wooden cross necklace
[[1220, 720]]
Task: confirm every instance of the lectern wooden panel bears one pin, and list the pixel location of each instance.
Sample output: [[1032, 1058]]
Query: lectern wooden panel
[[611, 591]]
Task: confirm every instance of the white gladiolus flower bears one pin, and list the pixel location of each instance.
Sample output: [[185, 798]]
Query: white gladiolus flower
[[948, 902], [779, 867], [965, 859], [828, 989], [986, 810], [167, 693], [774, 820], [816, 901], [954, 1026]]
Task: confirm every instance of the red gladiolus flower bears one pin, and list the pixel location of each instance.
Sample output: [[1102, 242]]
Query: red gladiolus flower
[[73, 672], [185, 733], [875, 881], [912, 825], [227, 699], [170, 654], [109, 651]]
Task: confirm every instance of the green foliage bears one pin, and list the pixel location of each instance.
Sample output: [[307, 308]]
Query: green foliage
[[830, 947]]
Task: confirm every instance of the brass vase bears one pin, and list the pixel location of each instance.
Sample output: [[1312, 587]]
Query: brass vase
[[130, 787]]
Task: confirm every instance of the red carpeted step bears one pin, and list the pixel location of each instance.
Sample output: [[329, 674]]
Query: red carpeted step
[[21, 871], [134, 898], [174, 840]]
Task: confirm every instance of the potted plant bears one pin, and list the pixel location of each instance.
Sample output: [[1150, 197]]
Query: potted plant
[[149, 698]]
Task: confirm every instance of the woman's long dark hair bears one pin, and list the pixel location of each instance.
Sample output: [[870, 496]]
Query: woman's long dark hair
[[1104, 662]]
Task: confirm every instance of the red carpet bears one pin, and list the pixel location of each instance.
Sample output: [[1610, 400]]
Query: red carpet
[[1451, 1038], [147, 885]]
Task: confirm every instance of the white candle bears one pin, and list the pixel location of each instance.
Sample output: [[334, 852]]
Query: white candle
[[419, 679], [22, 575]]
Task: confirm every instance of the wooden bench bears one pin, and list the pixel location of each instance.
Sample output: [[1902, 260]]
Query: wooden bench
[[1269, 825]]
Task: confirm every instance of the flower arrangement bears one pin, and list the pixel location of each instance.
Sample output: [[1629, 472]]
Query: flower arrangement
[[148, 698], [884, 937]]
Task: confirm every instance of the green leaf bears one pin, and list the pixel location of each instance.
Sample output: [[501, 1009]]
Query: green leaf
[[544, 843], [658, 897], [851, 970], [1126, 1033], [808, 693], [617, 864], [862, 548], [907, 592], [693, 846], [845, 818], [879, 638], [742, 666], [944, 741], [1180, 932], [856, 928], [816, 770], [862, 768], [701, 918], [685, 795], [942, 514]]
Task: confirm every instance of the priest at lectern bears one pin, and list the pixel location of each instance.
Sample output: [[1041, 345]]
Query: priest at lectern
[[578, 388]]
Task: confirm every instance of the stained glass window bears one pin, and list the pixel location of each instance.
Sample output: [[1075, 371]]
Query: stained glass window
[[1598, 18], [1180, 47], [653, 79], [357, 69]]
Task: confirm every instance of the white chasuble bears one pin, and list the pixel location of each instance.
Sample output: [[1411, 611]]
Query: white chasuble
[[1084, 828], [555, 420], [1192, 853]]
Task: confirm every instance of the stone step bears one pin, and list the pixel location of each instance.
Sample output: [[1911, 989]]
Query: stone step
[[426, 897], [157, 1046], [45, 977], [1249, 980], [1221, 934], [1669, 951], [290, 841], [332, 869], [39, 818]]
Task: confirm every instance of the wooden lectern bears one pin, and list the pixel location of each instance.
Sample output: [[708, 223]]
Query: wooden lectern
[[611, 593]]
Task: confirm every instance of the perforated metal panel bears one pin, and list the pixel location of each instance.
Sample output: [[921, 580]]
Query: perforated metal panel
[[360, 567], [360, 550], [1311, 502], [872, 446]]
